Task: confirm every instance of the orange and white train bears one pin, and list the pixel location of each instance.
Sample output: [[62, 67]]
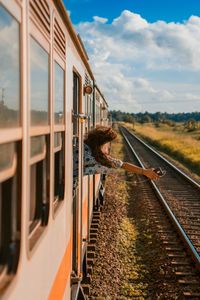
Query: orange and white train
[[48, 101]]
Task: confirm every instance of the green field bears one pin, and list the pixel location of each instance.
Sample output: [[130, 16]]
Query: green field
[[177, 141]]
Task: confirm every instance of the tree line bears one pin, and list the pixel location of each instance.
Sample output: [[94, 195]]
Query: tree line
[[147, 117]]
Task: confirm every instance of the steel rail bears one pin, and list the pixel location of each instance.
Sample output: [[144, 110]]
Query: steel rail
[[192, 181], [183, 235]]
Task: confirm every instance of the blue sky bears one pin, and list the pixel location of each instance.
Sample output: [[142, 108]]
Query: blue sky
[[151, 10], [145, 54]]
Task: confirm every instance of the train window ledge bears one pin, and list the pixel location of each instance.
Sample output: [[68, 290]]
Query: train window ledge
[[35, 236], [5, 277]]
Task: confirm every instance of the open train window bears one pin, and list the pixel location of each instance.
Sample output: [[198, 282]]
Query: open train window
[[59, 134], [59, 167], [10, 196], [10, 145], [39, 182], [39, 163]]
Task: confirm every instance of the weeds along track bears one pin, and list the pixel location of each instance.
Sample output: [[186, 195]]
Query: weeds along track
[[179, 197]]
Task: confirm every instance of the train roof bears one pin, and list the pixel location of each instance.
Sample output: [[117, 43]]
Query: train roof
[[75, 38], [77, 41]]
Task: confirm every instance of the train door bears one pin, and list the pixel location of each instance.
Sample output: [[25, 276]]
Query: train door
[[89, 181], [77, 292], [78, 122], [76, 104]]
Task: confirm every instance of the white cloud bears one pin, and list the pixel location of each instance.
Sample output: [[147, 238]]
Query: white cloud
[[138, 62], [100, 20]]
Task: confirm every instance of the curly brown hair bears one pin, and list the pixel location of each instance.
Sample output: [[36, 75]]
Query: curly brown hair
[[96, 138]]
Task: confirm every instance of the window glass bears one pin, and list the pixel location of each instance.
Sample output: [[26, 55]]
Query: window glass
[[39, 84], [37, 145], [57, 139], [91, 111], [59, 95], [59, 167], [39, 181], [32, 211], [9, 70], [76, 91], [7, 152]]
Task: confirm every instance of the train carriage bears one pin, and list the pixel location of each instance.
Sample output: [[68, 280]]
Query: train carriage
[[48, 103]]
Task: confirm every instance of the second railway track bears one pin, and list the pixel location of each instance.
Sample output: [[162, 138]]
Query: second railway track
[[180, 198]]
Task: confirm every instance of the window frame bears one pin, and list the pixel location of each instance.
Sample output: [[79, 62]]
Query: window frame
[[58, 128], [57, 59], [14, 135], [41, 130]]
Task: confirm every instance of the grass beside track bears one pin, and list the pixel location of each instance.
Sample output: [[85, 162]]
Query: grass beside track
[[181, 145], [132, 268]]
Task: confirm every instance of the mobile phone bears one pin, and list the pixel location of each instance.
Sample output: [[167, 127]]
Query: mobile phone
[[159, 171]]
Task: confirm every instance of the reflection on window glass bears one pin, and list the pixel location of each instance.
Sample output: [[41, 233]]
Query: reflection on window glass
[[57, 139], [37, 145], [9, 70], [39, 84], [7, 152], [59, 95]]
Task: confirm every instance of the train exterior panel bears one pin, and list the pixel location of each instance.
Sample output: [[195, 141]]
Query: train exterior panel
[[46, 230]]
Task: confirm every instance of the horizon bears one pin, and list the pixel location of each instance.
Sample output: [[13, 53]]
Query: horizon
[[157, 112], [153, 56]]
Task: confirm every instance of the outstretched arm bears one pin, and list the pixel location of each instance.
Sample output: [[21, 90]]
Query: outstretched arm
[[150, 173]]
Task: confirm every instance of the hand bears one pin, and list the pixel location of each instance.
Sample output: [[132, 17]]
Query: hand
[[151, 174]]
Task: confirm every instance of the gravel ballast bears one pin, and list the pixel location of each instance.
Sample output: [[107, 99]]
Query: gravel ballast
[[130, 262]]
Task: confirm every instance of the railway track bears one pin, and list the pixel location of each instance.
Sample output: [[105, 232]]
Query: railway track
[[179, 200]]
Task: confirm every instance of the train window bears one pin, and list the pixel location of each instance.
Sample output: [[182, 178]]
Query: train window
[[39, 84], [91, 113], [38, 146], [7, 156], [59, 135], [10, 70], [86, 104], [59, 95], [39, 182], [10, 152], [97, 113], [86, 113], [101, 113], [59, 167], [76, 90], [10, 199]]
